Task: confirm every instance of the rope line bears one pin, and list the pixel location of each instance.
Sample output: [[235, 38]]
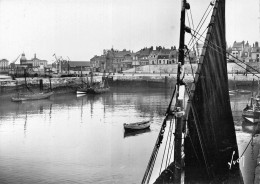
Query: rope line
[[164, 150], [200, 21], [170, 130], [192, 40]]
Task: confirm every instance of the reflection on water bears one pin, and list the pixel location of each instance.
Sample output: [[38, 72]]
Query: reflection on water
[[80, 139], [136, 132]]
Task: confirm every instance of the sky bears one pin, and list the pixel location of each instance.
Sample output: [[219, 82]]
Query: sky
[[80, 29]]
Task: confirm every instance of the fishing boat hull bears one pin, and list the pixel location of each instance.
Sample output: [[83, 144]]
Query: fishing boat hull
[[251, 120], [82, 91], [242, 91], [137, 126], [251, 116], [36, 96], [93, 90], [101, 90]]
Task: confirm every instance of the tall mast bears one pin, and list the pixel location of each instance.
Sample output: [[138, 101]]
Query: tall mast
[[179, 114]]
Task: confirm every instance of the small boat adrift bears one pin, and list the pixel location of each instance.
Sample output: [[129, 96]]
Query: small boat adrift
[[137, 126]]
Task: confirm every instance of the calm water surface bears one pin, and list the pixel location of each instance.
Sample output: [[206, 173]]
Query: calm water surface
[[70, 139]]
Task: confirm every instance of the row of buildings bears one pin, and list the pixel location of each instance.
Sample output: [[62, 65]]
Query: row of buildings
[[117, 61], [113, 60], [38, 65]]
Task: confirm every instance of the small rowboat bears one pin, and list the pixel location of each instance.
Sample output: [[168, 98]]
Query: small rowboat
[[137, 126]]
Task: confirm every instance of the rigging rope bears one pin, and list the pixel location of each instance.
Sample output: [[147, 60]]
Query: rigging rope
[[199, 26], [188, 53], [150, 165], [165, 148], [158, 142], [170, 130], [170, 104]]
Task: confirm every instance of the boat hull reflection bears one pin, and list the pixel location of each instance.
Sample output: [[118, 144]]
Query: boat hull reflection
[[130, 133]]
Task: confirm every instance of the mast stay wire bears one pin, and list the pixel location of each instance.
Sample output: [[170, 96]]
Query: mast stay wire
[[194, 37], [169, 147], [202, 21], [165, 148]]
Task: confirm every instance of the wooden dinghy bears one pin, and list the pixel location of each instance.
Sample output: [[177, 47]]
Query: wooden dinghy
[[33, 96], [137, 126]]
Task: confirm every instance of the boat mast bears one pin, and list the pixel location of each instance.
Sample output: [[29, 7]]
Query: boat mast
[[179, 105]]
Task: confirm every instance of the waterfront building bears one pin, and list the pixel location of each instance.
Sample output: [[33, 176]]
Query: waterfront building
[[173, 56], [127, 63], [240, 51], [237, 49], [33, 63], [97, 63], [23, 59], [143, 55], [163, 59], [119, 57], [246, 53], [4, 64], [255, 53], [163, 56], [153, 57]]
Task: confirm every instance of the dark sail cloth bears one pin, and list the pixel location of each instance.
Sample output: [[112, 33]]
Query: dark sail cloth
[[211, 143], [210, 105]]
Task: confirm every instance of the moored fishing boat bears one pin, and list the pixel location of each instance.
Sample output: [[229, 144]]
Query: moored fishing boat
[[32, 96], [251, 113], [243, 91], [82, 90], [101, 88]]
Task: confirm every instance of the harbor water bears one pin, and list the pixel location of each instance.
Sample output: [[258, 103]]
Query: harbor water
[[80, 139]]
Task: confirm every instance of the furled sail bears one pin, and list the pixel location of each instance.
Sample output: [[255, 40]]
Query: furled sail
[[210, 122], [210, 143]]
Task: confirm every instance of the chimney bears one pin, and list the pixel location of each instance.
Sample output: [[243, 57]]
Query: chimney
[[34, 56]]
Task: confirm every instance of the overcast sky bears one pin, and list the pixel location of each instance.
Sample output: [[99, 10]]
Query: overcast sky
[[81, 29]]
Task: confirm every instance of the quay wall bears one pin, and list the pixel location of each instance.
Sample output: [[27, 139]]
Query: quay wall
[[234, 79], [59, 85], [190, 68]]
